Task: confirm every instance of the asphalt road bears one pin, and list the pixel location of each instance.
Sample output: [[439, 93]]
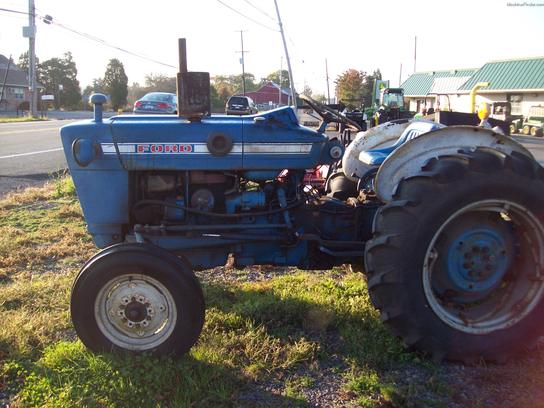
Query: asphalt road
[[31, 152]]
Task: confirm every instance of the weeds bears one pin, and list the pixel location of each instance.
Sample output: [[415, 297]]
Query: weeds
[[281, 331]]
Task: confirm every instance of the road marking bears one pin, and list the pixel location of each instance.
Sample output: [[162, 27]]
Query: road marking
[[31, 153], [29, 130]]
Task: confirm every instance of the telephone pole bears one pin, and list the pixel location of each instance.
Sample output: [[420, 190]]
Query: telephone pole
[[31, 34], [328, 88], [242, 61], [281, 80], [291, 82]]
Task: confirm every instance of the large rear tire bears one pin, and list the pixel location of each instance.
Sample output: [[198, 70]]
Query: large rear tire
[[455, 265], [137, 298]]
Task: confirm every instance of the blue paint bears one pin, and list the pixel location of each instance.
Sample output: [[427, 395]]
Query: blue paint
[[376, 157], [478, 259], [111, 155]]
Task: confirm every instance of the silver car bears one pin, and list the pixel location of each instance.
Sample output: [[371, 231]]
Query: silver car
[[157, 102]]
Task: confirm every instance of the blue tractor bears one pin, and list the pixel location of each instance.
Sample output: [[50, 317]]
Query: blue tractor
[[446, 222]]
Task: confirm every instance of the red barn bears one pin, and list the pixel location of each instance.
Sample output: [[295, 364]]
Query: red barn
[[268, 94]]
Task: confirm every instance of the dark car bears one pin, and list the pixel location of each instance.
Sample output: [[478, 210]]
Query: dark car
[[240, 105], [157, 102]]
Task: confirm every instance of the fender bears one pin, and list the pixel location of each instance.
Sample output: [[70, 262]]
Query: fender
[[372, 138], [409, 158]]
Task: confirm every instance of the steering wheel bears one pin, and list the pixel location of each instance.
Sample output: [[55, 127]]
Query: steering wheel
[[330, 115]]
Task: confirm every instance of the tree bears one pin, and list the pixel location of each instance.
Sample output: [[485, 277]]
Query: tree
[[234, 83], [368, 87], [24, 62], [59, 78], [116, 83], [320, 98], [275, 77], [307, 91], [160, 83], [350, 88], [96, 87]]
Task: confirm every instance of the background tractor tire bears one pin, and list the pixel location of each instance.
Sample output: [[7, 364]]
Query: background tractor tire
[[526, 130], [455, 262], [536, 131], [137, 298], [513, 129]]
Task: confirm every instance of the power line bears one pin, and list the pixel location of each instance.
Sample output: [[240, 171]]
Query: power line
[[260, 10], [49, 20], [104, 42], [14, 11], [247, 17]]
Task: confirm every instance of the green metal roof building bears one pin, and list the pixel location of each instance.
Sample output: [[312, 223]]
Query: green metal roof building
[[519, 81]]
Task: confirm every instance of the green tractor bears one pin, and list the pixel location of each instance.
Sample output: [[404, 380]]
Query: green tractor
[[388, 105], [533, 125]]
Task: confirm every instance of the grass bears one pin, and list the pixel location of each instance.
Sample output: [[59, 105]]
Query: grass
[[21, 119], [271, 342]]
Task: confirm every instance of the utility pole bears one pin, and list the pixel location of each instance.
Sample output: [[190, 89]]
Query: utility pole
[[415, 52], [242, 61], [31, 34], [291, 82], [328, 88], [400, 74], [281, 80]]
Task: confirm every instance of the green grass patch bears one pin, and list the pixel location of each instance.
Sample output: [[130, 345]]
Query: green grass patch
[[290, 332]]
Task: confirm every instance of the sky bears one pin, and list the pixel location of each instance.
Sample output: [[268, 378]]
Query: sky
[[359, 34]]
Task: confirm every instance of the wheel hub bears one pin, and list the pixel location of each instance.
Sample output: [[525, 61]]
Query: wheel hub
[[477, 260], [481, 272], [138, 312]]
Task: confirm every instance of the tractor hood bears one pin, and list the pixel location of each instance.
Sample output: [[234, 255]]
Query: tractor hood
[[271, 140]]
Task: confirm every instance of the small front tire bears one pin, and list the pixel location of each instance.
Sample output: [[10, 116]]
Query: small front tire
[[137, 298]]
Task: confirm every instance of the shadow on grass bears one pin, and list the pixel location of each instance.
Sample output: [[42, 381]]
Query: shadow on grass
[[70, 375], [260, 342]]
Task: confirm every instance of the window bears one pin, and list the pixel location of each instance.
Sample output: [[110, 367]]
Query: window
[[18, 93], [515, 101]]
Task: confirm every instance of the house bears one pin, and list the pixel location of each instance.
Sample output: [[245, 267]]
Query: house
[[15, 86], [269, 94], [518, 81]]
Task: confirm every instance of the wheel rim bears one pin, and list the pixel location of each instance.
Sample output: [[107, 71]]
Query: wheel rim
[[481, 271], [135, 312]]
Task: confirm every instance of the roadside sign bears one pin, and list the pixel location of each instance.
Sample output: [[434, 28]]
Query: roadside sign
[[48, 97]]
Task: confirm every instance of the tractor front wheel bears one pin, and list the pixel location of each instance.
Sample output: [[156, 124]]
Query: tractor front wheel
[[137, 298], [455, 263], [526, 130], [513, 129]]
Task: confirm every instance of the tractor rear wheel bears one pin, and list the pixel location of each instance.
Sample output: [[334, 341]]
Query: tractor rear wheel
[[455, 262], [513, 129], [536, 131], [526, 130], [137, 298]]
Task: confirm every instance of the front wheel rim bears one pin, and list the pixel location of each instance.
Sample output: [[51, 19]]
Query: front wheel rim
[[503, 291], [135, 312]]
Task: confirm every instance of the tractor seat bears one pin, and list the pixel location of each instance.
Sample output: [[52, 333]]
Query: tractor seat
[[376, 157]]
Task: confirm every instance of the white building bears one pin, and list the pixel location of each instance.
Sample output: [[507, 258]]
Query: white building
[[518, 81]]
